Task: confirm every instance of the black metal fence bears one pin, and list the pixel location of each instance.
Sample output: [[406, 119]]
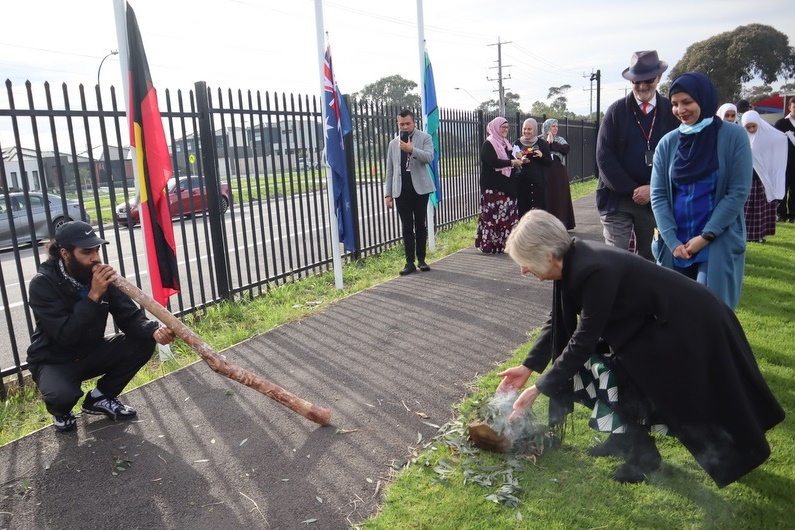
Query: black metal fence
[[261, 151]]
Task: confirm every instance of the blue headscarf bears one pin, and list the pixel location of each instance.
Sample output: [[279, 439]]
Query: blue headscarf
[[696, 156]]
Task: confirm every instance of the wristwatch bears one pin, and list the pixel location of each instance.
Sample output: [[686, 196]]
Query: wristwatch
[[709, 236]]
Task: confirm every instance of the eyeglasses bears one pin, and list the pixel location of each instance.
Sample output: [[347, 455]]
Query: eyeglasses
[[645, 81]]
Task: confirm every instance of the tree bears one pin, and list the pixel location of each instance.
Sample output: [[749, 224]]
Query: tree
[[392, 90], [757, 93], [786, 88], [560, 101], [736, 57], [512, 105], [557, 106], [540, 108]]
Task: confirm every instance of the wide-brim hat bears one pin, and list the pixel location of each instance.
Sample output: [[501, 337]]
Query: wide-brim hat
[[644, 65], [78, 234]]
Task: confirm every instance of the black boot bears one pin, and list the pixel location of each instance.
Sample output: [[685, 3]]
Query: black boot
[[643, 458], [617, 444], [408, 269]]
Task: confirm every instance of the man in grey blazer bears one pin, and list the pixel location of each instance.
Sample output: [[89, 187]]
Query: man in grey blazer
[[409, 184]]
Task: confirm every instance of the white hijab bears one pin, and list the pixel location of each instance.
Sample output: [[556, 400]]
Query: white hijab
[[769, 148], [725, 107]]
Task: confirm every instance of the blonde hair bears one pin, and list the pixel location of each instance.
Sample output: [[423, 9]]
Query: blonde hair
[[538, 235]]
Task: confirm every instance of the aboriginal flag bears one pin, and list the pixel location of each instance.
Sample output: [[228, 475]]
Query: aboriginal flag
[[153, 169]]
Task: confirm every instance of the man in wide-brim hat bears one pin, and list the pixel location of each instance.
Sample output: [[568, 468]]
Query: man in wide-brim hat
[[628, 135]]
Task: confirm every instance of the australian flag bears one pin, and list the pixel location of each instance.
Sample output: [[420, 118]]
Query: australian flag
[[338, 124]]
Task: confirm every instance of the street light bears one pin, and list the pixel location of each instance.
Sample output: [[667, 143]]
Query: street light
[[467, 92], [112, 52]]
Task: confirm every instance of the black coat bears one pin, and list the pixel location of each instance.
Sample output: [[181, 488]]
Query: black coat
[[532, 186], [68, 325], [618, 175], [490, 178], [674, 342]]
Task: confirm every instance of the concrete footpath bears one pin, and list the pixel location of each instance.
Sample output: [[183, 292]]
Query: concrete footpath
[[209, 453]]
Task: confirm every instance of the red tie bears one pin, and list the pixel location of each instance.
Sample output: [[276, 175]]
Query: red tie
[[645, 107]]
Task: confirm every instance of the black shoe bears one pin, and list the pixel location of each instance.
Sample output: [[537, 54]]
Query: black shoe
[[643, 459], [424, 266], [617, 444], [791, 220], [110, 407], [781, 219], [408, 269], [65, 423]]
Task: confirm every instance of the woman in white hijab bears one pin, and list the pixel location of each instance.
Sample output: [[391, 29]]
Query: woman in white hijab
[[727, 112], [769, 148]]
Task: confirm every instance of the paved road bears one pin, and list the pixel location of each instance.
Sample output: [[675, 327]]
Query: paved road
[[209, 453]]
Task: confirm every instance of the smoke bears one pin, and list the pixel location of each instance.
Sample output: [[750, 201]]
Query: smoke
[[526, 433], [496, 413]]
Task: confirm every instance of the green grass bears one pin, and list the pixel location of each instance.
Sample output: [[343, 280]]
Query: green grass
[[260, 189], [252, 188], [568, 489]]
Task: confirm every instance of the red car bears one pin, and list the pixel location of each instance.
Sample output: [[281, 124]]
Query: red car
[[187, 198]]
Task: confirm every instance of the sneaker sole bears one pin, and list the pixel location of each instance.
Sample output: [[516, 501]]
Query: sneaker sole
[[111, 416]]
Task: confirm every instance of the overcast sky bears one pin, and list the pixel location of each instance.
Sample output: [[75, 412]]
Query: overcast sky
[[271, 45]]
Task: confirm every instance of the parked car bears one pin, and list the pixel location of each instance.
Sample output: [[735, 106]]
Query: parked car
[[186, 197], [306, 164], [17, 208]]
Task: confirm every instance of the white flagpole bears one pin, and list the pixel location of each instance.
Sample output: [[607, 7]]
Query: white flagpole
[[421, 38], [120, 12], [332, 209]]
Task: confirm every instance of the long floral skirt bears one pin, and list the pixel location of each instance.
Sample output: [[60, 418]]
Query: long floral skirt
[[498, 216]]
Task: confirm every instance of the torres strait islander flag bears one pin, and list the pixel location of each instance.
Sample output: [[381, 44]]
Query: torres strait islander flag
[[431, 112], [153, 168]]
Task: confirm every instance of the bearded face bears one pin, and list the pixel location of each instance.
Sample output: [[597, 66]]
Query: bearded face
[[77, 269]]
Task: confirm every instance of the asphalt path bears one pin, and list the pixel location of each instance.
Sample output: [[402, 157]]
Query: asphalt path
[[206, 452]]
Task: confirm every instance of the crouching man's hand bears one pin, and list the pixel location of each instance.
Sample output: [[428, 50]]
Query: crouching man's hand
[[163, 335]]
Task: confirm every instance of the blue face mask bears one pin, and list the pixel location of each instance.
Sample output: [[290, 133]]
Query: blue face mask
[[693, 129]]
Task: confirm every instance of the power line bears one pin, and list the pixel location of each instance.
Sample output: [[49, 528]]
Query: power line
[[543, 60]]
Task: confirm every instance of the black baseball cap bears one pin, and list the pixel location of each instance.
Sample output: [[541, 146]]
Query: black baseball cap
[[79, 234]]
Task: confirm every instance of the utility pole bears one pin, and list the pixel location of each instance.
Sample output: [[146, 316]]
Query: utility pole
[[590, 98], [598, 78], [499, 79]]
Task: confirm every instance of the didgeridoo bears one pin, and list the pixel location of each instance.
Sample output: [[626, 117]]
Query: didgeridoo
[[218, 363]]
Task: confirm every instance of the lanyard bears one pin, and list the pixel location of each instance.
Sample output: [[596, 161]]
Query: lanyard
[[651, 129]]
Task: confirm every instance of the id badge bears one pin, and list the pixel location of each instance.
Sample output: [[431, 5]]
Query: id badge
[[650, 157]]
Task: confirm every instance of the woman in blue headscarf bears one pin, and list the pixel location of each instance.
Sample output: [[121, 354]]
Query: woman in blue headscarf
[[699, 184]]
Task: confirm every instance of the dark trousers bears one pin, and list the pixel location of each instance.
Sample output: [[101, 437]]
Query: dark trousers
[[786, 208], [117, 360], [617, 226], [413, 211]]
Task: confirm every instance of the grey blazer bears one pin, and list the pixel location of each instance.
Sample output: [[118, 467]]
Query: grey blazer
[[421, 156]]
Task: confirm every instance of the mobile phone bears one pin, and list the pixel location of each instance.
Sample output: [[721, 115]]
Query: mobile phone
[[404, 136]]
